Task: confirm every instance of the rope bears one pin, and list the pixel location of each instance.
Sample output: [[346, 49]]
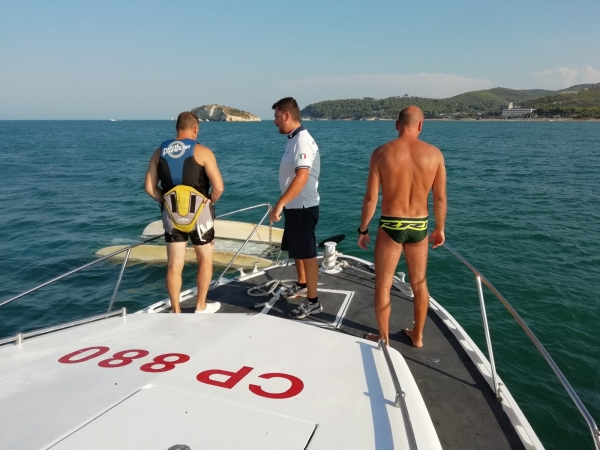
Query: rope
[[329, 261], [272, 247], [266, 289], [347, 265]]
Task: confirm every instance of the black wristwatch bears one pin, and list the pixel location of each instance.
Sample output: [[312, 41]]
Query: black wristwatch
[[362, 232]]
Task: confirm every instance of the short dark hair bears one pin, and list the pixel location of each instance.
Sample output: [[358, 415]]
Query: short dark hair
[[186, 120], [288, 105]]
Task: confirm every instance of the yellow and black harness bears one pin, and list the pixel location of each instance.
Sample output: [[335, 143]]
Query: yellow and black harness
[[185, 205]]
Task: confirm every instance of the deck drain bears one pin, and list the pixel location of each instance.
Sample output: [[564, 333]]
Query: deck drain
[[179, 447]]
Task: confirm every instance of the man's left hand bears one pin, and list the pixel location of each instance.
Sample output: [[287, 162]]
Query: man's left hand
[[275, 215]]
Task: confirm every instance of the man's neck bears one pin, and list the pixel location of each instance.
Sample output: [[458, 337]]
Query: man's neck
[[408, 134], [295, 125], [181, 136]]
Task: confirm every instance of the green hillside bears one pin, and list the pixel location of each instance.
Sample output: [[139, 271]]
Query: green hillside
[[498, 97], [477, 104], [578, 102]]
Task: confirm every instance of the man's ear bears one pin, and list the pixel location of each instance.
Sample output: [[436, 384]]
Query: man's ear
[[420, 126]]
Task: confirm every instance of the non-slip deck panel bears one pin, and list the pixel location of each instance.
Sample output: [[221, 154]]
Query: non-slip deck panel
[[461, 404]]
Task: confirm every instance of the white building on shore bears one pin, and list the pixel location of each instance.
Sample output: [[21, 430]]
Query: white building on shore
[[516, 112]]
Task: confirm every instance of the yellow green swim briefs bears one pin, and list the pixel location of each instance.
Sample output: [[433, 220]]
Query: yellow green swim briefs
[[409, 231]]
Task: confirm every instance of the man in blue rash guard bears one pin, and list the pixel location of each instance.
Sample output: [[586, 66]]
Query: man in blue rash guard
[[182, 161]]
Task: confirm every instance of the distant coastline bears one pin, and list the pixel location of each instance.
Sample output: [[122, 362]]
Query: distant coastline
[[580, 102], [464, 119]]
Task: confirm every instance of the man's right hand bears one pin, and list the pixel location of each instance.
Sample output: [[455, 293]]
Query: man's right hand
[[363, 240], [275, 215], [437, 238]]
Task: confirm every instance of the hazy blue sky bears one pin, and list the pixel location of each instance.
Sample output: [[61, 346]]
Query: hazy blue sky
[[153, 59]]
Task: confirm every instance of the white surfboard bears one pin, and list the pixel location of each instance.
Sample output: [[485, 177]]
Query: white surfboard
[[158, 253], [228, 229]]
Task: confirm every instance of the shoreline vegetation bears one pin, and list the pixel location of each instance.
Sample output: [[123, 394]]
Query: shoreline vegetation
[[465, 119], [580, 102]]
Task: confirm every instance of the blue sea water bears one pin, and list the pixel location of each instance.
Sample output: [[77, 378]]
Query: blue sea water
[[523, 207]]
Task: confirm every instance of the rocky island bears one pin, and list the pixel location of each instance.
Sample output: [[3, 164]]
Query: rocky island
[[220, 113]]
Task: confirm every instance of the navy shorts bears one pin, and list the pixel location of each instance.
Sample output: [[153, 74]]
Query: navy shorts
[[299, 232]]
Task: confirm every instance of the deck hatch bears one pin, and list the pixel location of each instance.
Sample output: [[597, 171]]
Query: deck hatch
[[162, 418]]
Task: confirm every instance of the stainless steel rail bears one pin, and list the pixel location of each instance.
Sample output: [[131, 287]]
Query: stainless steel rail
[[112, 300], [400, 397], [488, 338], [20, 337], [128, 250], [269, 208], [563, 380], [244, 209], [85, 266]]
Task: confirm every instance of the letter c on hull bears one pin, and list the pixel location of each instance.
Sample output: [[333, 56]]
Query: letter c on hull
[[296, 387]]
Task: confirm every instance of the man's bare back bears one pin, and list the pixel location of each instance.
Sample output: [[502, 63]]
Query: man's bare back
[[407, 168]]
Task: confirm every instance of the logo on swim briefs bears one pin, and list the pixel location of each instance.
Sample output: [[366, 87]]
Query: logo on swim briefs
[[175, 149]]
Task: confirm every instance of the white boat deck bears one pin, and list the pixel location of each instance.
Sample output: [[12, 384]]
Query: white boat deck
[[239, 381]]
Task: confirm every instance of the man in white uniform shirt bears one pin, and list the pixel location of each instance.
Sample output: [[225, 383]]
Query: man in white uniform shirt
[[299, 202]]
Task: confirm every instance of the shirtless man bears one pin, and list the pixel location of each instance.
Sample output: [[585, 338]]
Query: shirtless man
[[406, 169]]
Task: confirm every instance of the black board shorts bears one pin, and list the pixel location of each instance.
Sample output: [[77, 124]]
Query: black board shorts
[[299, 238], [172, 234], [180, 236]]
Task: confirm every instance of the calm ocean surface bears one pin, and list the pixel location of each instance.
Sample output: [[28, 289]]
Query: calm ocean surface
[[523, 207]]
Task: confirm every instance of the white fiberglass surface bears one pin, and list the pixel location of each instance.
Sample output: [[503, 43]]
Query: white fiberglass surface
[[167, 418], [50, 391]]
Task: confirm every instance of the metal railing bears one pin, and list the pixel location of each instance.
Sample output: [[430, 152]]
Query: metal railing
[[563, 380], [20, 337], [85, 266], [128, 250], [269, 208], [400, 397]]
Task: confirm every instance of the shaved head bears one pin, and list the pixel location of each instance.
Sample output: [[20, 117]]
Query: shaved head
[[411, 116]]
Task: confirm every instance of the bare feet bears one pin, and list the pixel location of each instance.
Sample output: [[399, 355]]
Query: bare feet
[[418, 343]]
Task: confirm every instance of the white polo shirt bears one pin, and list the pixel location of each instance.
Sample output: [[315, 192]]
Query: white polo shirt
[[301, 152]]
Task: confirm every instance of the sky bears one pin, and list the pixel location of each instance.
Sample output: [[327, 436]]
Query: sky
[[151, 59]]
